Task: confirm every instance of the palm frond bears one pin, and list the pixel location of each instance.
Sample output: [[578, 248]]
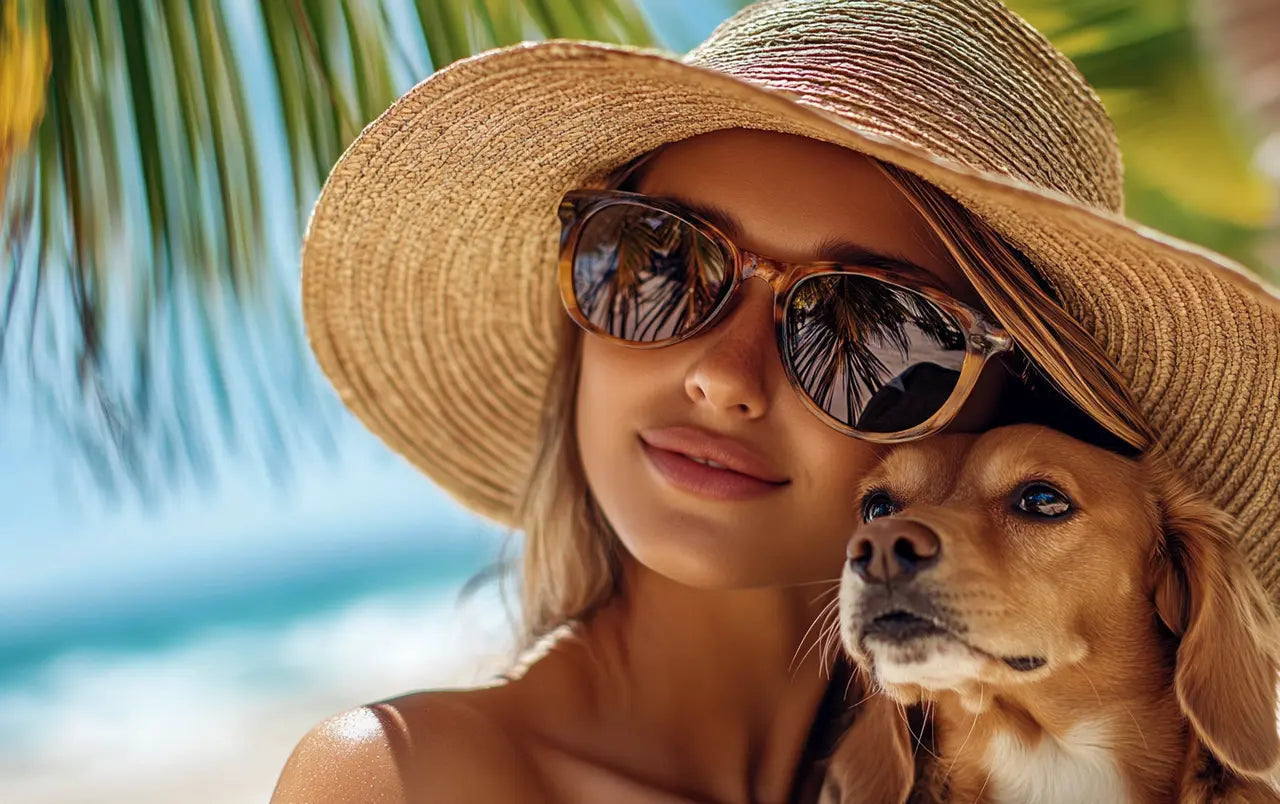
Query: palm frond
[[1189, 166], [24, 68], [1240, 37], [144, 302]]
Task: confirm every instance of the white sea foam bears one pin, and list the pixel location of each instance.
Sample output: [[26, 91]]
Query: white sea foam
[[213, 719]]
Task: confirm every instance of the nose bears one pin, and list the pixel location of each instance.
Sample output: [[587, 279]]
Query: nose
[[731, 373], [891, 549]]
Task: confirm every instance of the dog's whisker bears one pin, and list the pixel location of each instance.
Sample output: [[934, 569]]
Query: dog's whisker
[[871, 693], [1141, 734], [832, 635], [828, 642], [1026, 445], [982, 692], [824, 648], [833, 590], [836, 647], [829, 614], [918, 739], [1096, 694], [816, 620], [982, 789], [835, 580], [829, 634]]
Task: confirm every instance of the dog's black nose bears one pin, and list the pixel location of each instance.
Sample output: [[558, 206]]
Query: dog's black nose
[[890, 549]]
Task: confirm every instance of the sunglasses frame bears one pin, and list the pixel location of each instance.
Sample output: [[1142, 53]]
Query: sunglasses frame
[[983, 338]]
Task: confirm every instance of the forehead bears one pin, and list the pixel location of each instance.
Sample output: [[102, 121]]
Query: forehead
[[790, 195]]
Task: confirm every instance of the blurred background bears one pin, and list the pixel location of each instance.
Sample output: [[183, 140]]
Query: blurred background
[[201, 555]]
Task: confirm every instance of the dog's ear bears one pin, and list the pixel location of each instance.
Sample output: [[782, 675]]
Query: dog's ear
[[873, 762], [1227, 658]]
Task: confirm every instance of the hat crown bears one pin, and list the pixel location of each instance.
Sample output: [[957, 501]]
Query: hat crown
[[967, 80]]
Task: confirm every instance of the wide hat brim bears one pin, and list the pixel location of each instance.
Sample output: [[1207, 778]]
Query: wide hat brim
[[429, 269]]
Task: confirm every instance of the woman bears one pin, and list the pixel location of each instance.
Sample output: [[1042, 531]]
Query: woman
[[679, 462]]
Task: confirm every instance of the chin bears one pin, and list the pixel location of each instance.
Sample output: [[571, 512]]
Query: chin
[[698, 567], [706, 545], [706, 561]]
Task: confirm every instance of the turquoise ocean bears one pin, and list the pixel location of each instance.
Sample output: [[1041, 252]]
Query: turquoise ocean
[[179, 654]]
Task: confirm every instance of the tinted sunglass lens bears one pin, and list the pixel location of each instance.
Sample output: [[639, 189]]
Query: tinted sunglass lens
[[644, 275], [876, 357]]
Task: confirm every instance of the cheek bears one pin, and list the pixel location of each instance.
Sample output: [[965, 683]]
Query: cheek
[[798, 535], [1076, 572], [833, 469], [823, 508], [598, 372], [612, 382], [621, 390]]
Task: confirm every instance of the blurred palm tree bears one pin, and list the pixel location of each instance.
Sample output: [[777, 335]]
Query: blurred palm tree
[[1244, 37], [25, 47], [138, 282], [1189, 143]]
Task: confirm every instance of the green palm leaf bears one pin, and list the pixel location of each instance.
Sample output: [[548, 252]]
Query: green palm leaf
[[1189, 166], [141, 301]]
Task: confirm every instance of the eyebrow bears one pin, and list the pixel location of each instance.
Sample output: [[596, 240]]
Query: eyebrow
[[831, 249]]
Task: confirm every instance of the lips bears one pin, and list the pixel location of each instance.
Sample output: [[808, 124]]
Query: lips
[[713, 450], [709, 465]]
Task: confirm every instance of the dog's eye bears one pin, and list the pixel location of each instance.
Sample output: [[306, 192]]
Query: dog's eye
[[1041, 499], [878, 504]]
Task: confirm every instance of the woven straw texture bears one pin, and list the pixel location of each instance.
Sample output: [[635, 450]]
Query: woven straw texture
[[429, 264]]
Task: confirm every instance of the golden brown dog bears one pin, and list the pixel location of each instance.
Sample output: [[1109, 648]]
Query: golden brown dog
[[1079, 627]]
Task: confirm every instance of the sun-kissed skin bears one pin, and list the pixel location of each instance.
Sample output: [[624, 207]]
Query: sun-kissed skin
[[690, 686]]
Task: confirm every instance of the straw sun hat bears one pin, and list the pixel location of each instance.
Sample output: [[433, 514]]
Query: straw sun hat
[[429, 265]]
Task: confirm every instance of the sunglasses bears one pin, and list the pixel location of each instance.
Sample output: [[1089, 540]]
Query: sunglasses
[[873, 352]]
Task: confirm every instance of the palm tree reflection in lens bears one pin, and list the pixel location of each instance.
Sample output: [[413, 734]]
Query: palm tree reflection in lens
[[644, 275], [841, 330]]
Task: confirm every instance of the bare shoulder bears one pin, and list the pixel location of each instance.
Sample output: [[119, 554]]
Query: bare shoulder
[[447, 745]]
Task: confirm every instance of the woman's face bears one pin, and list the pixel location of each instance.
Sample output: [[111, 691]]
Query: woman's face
[[724, 394]]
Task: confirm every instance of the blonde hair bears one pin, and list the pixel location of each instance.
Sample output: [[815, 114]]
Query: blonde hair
[[572, 558], [1020, 299]]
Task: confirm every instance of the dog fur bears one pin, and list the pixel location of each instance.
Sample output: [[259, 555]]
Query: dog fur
[[1121, 651]]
